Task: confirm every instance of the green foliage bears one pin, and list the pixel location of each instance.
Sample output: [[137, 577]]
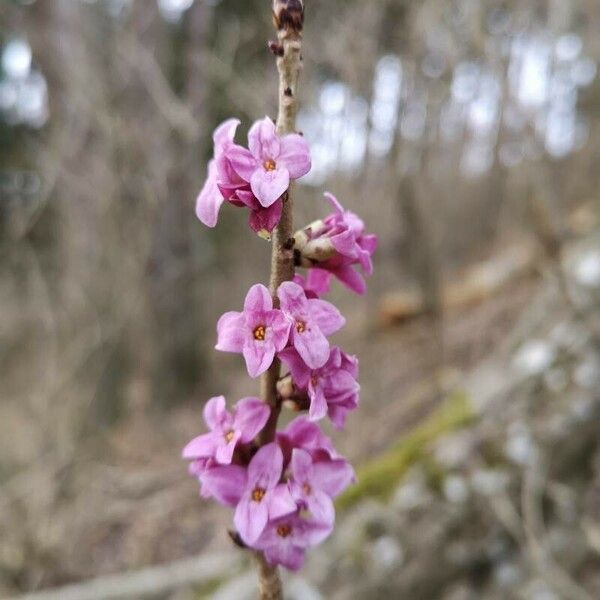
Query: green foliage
[[379, 477]]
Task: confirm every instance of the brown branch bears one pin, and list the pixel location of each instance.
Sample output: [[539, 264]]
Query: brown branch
[[288, 16]]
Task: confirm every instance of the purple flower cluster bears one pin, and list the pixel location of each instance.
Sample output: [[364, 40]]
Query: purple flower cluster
[[282, 492], [255, 177], [331, 247]]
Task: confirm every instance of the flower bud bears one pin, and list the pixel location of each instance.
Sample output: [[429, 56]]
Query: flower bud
[[288, 15]]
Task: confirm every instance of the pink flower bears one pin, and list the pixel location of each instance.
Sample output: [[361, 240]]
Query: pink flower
[[334, 245], [332, 389], [314, 484], [258, 332], [271, 162], [227, 429], [312, 320], [285, 540], [224, 184], [263, 497], [306, 435], [210, 198]]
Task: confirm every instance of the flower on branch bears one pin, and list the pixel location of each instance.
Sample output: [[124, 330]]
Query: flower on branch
[[278, 159], [334, 245], [264, 498], [311, 321], [271, 161], [285, 540], [332, 389], [227, 429], [258, 332]]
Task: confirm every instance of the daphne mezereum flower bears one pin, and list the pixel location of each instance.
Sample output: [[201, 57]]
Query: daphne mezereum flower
[[285, 540], [305, 434], [332, 389], [224, 184], [227, 429], [258, 332], [271, 161], [263, 498], [335, 244], [314, 483], [312, 320]]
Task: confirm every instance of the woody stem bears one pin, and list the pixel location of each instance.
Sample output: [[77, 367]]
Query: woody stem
[[289, 65]]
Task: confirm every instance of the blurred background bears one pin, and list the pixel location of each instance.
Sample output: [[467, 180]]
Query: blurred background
[[466, 133]]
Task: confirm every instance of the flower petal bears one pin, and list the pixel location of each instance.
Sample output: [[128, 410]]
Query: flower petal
[[345, 243], [351, 279], [225, 133], [318, 403], [250, 519], [251, 415], [332, 476], [285, 554], [266, 219], [269, 186], [327, 317], [265, 467], [281, 502], [242, 161], [226, 483], [294, 155], [312, 346], [300, 372], [202, 446], [210, 198], [292, 298], [231, 332], [258, 356], [321, 507], [318, 281], [335, 204], [258, 300], [263, 141], [214, 412], [313, 532], [301, 465], [278, 329], [225, 450], [337, 414]]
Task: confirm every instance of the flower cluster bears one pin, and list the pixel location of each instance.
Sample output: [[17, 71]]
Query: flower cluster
[[255, 177], [281, 492]]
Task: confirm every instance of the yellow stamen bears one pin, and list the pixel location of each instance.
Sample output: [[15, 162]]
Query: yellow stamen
[[300, 326], [260, 333], [258, 494], [229, 436], [269, 165], [284, 530]]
